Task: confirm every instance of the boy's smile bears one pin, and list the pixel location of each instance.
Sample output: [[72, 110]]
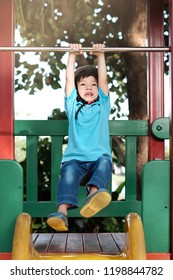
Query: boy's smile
[[88, 88], [88, 94]]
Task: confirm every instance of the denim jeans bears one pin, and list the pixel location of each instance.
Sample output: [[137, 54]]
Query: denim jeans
[[75, 173]]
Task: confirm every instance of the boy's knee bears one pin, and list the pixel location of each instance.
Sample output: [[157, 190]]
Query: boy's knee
[[104, 165], [104, 161]]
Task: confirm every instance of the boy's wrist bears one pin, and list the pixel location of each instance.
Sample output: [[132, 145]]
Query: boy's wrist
[[72, 54]]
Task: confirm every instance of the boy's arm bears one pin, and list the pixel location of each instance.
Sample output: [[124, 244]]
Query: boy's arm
[[102, 71], [70, 69]]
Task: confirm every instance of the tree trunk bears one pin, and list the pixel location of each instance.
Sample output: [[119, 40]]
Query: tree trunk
[[135, 30]]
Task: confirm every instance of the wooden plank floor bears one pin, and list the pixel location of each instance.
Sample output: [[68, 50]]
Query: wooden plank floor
[[105, 243]]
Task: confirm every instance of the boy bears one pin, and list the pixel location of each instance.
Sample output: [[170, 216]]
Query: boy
[[88, 155]]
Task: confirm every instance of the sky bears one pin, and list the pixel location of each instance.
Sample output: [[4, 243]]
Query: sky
[[38, 106]]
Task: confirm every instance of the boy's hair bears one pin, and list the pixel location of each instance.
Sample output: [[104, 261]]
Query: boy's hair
[[85, 71]]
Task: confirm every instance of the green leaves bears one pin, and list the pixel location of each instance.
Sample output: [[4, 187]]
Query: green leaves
[[51, 23]]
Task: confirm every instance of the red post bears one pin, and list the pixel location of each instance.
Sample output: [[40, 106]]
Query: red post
[[6, 81], [155, 73]]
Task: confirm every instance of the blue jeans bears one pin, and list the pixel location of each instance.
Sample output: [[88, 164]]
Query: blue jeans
[[75, 173]]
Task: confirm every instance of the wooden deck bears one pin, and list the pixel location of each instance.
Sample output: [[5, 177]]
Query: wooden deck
[[105, 243]]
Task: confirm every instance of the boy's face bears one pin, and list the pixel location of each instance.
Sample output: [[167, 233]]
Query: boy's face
[[88, 88]]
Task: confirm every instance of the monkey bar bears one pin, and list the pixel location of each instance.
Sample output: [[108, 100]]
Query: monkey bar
[[84, 49]]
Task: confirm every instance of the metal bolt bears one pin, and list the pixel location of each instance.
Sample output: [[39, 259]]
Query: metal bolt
[[159, 127]]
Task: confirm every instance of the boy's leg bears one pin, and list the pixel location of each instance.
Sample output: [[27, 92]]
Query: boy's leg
[[68, 186], [67, 193], [99, 197]]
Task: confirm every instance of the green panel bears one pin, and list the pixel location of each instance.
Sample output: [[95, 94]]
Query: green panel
[[32, 168], [156, 205], [60, 127], [114, 209], [128, 127], [11, 201], [42, 128], [56, 156], [130, 168]]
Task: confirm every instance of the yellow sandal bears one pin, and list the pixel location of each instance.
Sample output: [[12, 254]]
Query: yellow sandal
[[95, 203], [58, 221]]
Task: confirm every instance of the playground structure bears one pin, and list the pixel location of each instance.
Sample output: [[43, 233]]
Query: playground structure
[[156, 206]]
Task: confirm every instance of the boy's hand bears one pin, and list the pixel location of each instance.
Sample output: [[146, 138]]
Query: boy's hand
[[70, 69], [76, 48], [98, 49]]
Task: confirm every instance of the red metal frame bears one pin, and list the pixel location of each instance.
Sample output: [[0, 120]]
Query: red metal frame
[[155, 73], [6, 82], [156, 84]]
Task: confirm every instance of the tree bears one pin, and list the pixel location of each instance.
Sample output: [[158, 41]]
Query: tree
[[50, 23]]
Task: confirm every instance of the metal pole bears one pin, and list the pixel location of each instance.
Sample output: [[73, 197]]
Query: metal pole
[[6, 82], [84, 49]]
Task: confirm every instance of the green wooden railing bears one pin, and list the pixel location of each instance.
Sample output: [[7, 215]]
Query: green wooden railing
[[57, 129]]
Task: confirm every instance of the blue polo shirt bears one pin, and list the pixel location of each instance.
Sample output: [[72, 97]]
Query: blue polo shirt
[[89, 133]]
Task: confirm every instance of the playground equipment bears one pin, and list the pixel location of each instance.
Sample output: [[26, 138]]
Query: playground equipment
[[23, 248], [156, 177]]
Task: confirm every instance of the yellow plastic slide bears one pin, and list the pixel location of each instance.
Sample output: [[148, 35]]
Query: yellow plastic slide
[[23, 248]]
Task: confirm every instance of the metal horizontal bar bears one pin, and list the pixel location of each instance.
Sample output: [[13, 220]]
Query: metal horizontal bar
[[85, 49]]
